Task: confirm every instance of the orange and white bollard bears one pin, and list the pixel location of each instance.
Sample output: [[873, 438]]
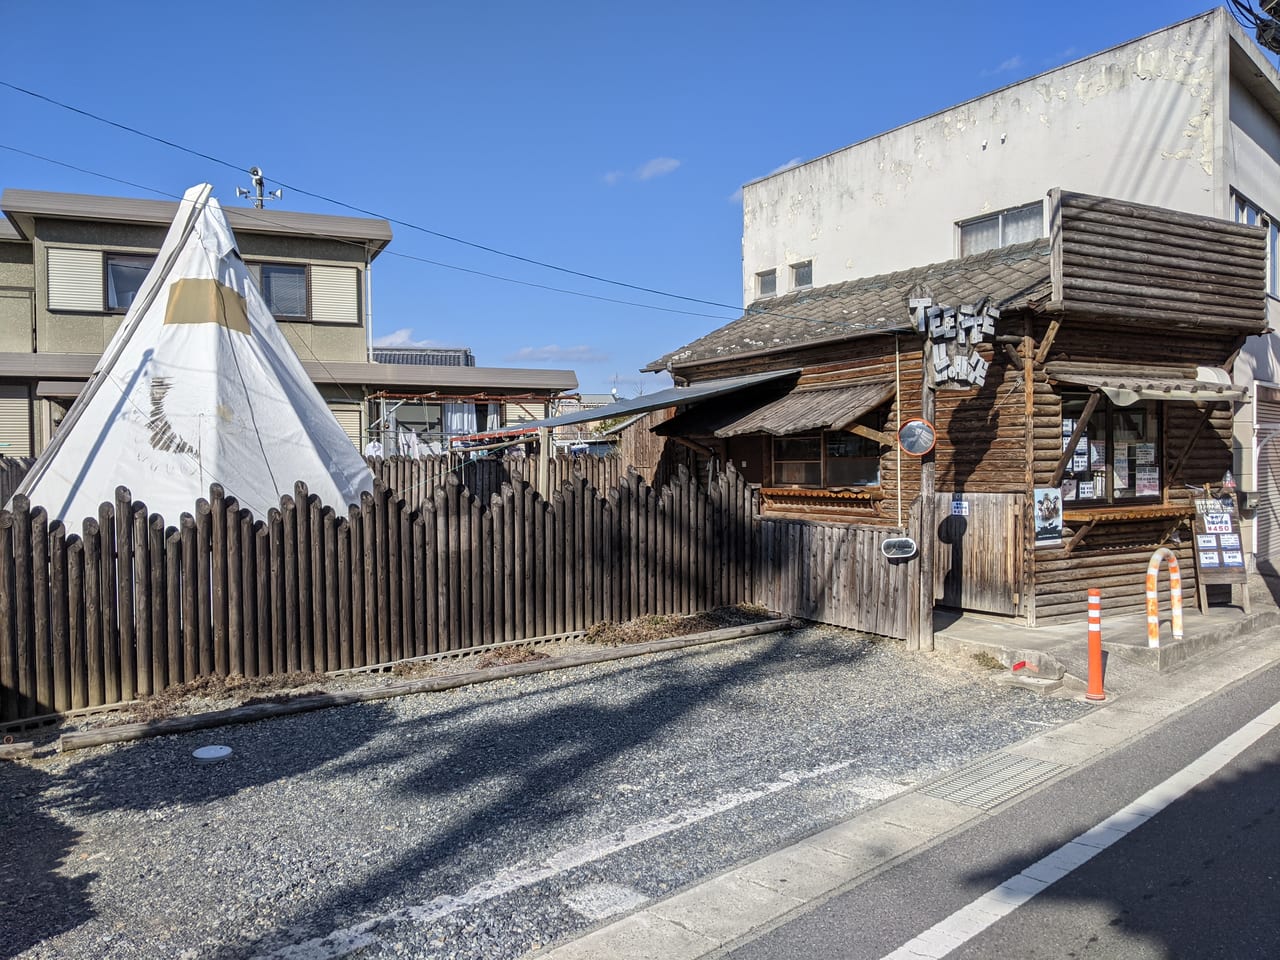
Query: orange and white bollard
[[1153, 597], [1095, 691]]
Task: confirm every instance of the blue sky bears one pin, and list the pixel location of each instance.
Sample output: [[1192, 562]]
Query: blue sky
[[607, 139]]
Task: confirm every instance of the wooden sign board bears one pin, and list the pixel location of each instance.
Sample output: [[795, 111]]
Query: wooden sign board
[[1219, 553]]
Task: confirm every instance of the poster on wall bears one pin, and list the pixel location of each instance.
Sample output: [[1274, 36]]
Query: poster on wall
[[1148, 481], [1146, 454], [1097, 456], [1048, 511]]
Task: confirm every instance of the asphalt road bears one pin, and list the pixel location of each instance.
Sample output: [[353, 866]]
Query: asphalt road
[[487, 821], [1201, 879]]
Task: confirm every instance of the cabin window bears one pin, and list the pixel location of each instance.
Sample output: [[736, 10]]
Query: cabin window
[[832, 459], [124, 276], [1255, 216], [802, 275], [766, 283], [1017, 225], [1117, 459]]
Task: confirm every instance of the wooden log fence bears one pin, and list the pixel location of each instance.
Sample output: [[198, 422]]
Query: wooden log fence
[[128, 605]]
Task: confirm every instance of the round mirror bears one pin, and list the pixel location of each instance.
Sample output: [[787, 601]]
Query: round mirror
[[917, 437]]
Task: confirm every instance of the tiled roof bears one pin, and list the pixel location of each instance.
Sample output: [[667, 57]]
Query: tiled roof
[[1014, 276]]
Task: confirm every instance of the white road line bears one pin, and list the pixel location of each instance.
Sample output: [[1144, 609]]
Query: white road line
[[997, 903], [339, 943]]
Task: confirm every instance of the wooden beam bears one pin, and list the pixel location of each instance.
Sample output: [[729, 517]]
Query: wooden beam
[[1176, 470], [692, 445], [1076, 434], [1014, 359], [1047, 342], [884, 439], [1076, 537]]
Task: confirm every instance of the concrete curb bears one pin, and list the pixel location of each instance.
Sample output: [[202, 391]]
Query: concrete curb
[[1173, 652], [128, 732]]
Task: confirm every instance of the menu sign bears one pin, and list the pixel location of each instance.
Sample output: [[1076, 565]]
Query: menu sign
[[1219, 557]]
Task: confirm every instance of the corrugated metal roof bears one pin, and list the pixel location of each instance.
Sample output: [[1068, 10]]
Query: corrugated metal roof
[[78, 206], [386, 376], [671, 397], [832, 408], [416, 377], [1013, 277], [1127, 386]]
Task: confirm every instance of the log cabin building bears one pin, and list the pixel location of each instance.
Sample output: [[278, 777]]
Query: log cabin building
[[1091, 366]]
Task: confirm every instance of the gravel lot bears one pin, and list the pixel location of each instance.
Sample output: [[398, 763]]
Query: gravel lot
[[483, 822]]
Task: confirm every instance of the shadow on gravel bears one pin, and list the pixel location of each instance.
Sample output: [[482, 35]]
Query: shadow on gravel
[[151, 774], [35, 901], [1198, 880], [539, 756]]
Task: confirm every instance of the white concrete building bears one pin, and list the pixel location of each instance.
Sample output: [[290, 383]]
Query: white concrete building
[[1187, 117]]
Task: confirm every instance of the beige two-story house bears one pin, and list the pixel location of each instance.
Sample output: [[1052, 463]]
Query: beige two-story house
[[70, 265]]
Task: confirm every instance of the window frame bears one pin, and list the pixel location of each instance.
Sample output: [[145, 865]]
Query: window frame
[[255, 268], [823, 439], [1107, 413], [1243, 208], [795, 268], [999, 216], [107, 257], [772, 274]]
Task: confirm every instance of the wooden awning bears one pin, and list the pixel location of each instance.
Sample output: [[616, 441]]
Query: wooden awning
[[803, 410], [1126, 388]]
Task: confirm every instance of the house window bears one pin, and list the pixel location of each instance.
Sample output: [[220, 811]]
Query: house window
[[124, 276], [831, 459], [767, 283], [284, 287], [1016, 225], [315, 292], [802, 275], [1117, 459], [1255, 216]]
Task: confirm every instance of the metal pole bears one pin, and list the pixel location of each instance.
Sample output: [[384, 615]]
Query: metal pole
[[928, 510]]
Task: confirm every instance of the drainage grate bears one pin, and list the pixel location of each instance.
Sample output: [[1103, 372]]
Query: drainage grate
[[992, 781]]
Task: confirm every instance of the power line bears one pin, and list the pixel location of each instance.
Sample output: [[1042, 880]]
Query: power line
[[363, 211], [267, 222]]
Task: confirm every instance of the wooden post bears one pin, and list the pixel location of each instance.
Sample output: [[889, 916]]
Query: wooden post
[[174, 600], [159, 604], [142, 600], [76, 623], [218, 566], [59, 613], [93, 611], [928, 545], [124, 592], [40, 593]]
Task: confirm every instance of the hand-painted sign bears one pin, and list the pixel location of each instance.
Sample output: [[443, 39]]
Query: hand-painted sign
[[955, 333]]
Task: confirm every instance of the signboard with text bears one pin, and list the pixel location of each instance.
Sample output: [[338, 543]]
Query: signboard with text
[[1218, 552]]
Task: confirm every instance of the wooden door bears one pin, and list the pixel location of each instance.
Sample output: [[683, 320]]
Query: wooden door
[[978, 565]]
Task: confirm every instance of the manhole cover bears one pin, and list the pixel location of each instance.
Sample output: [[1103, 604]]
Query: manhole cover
[[990, 782]]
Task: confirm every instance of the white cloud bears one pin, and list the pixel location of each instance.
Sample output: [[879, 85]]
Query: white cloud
[[404, 338], [736, 196], [556, 354], [1004, 66], [657, 167]]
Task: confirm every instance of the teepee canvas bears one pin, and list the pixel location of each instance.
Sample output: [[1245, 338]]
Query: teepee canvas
[[198, 386]]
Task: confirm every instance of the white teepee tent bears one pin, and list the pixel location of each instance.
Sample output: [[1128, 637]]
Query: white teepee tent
[[198, 386]]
